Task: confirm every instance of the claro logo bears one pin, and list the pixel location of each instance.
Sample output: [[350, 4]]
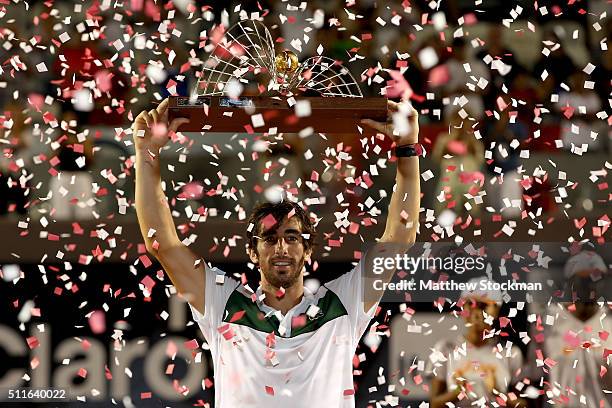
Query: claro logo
[[105, 374]]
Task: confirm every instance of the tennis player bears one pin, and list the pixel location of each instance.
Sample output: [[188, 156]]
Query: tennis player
[[282, 345]]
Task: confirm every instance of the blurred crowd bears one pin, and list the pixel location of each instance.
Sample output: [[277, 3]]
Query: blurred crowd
[[494, 86]]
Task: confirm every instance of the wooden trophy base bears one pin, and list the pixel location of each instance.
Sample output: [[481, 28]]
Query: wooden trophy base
[[260, 114]]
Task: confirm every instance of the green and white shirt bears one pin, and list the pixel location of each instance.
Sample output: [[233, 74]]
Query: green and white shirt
[[302, 359]]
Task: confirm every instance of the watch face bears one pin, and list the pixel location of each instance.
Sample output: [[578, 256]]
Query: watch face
[[410, 150]]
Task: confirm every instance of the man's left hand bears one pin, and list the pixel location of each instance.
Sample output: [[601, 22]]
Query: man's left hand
[[402, 126]]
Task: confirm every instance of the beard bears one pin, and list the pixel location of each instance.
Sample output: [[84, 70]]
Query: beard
[[283, 279]]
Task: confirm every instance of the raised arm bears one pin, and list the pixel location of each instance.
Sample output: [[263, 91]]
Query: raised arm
[[403, 214], [151, 132]]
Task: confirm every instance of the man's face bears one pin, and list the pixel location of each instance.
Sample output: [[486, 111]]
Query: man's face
[[583, 289], [473, 312], [280, 254]]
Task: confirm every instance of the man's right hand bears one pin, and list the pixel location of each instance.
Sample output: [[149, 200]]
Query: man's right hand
[[151, 130]]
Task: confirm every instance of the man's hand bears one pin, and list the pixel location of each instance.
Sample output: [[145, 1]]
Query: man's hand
[[151, 130], [401, 116]]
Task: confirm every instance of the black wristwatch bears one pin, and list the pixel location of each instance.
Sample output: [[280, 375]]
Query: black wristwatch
[[409, 150]]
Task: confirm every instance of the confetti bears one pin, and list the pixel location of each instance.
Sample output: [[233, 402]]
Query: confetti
[[302, 108], [97, 322], [75, 77]]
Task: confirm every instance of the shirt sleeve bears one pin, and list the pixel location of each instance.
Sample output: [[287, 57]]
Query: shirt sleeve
[[348, 288], [218, 289]]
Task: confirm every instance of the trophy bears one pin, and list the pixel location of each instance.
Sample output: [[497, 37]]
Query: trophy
[[245, 86]]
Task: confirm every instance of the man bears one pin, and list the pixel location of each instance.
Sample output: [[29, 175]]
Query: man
[[283, 344], [578, 341], [468, 370]]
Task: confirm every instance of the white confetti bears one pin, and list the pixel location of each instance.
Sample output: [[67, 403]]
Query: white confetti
[[427, 175], [439, 21], [589, 68], [64, 37], [83, 101], [302, 108], [428, 57], [10, 272], [257, 120], [233, 89]]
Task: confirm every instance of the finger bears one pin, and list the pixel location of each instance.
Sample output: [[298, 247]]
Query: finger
[[176, 123], [162, 109], [144, 115], [381, 127], [163, 106], [154, 115]]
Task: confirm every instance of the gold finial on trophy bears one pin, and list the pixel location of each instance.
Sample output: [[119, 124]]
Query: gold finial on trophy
[[286, 62]]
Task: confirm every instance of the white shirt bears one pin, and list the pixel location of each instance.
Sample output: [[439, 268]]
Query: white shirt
[[302, 359], [475, 362], [578, 374]]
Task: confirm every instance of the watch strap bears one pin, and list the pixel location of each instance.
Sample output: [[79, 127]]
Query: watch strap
[[409, 150]]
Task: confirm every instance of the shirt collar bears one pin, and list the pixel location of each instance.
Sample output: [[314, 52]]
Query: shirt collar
[[307, 300]]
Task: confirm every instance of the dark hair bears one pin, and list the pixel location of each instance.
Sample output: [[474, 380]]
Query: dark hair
[[279, 211]]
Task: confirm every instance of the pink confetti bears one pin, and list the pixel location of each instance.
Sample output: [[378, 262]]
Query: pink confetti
[[146, 262], [398, 87], [237, 316], [439, 76], [97, 322], [35, 362], [298, 321], [280, 293], [268, 222], [456, 147], [36, 100], [32, 342], [136, 5], [501, 103], [103, 80], [192, 344], [171, 349], [148, 283]]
